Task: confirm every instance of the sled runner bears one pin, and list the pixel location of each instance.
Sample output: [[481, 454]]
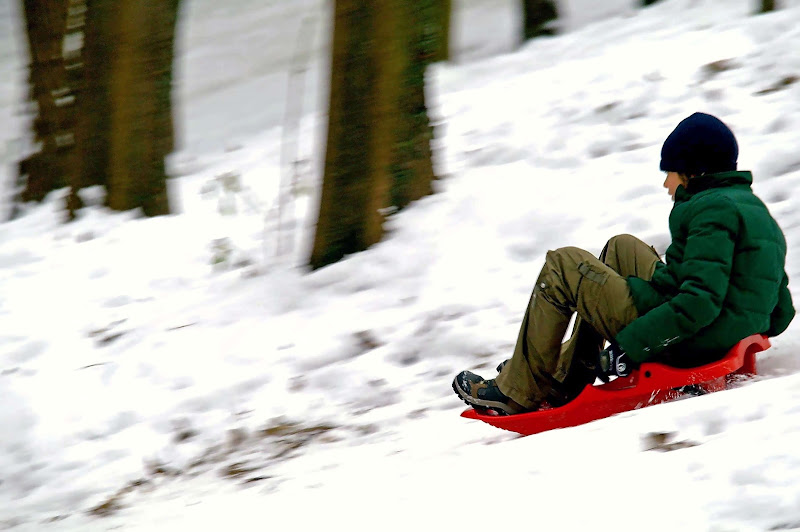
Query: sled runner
[[651, 384]]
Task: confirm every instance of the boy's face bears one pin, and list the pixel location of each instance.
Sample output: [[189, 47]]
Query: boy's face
[[672, 181]]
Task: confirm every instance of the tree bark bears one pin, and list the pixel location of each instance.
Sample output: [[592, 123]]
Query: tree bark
[[438, 27], [537, 15], [46, 22], [368, 57], [93, 128], [767, 6], [447, 21], [141, 113], [412, 168]]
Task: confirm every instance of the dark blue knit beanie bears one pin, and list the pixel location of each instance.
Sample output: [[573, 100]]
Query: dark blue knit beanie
[[701, 144]]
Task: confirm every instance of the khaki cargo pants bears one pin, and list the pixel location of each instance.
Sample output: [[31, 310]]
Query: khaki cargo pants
[[573, 281]]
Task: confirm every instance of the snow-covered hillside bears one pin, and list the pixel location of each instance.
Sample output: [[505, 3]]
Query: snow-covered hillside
[[175, 373]]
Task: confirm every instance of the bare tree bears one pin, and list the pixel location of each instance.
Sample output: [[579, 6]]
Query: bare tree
[[140, 88], [104, 113], [93, 124], [366, 68], [379, 135], [426, 41], [44, 170], [767, 6]]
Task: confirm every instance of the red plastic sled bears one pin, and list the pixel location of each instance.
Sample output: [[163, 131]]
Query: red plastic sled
[[651, 384]]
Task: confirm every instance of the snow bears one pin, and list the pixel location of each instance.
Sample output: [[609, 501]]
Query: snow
[[184, 372]]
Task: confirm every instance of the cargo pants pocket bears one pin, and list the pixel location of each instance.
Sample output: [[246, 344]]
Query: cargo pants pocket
[[604, 299], [595, 276]]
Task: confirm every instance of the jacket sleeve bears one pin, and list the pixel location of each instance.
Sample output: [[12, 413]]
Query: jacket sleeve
[[783, 313], [703, 277]]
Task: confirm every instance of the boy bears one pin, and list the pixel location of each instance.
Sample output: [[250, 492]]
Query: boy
[[723, 280]]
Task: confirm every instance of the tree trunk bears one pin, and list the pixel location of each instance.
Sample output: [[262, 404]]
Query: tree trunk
[[447, 21], [767, 6], [646, 3], [438, 27], [141, 111], [412, 167], [369, 55], [93, 129], [537, 16], [46, 26]]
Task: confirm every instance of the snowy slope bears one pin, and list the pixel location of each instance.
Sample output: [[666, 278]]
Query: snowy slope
[[146, 388]]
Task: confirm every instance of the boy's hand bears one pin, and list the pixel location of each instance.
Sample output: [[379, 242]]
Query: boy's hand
[[613, 361]]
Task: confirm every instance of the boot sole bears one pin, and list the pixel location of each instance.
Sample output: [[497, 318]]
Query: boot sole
[[474, 402]]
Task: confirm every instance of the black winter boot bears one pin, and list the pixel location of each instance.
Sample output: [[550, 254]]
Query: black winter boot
[[483, 394]]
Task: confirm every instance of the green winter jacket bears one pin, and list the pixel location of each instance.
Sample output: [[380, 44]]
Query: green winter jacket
[[723, 280]]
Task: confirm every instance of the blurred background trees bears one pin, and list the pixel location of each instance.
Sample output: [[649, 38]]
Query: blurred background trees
[[100, 88], [100, 85]]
